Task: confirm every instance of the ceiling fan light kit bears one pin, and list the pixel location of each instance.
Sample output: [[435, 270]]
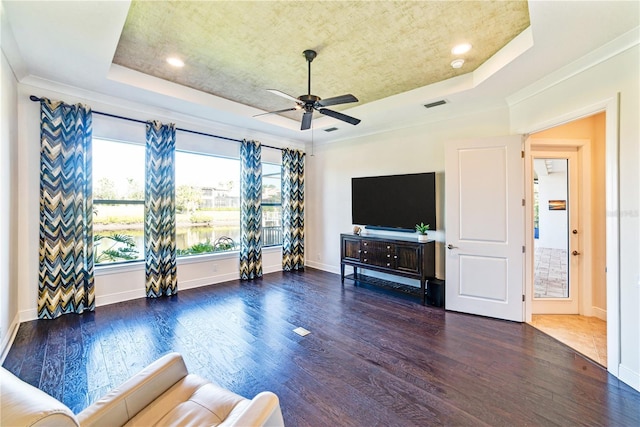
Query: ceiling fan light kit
[[310, 102]]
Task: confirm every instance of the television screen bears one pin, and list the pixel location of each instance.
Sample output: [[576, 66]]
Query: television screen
[[396, 202]]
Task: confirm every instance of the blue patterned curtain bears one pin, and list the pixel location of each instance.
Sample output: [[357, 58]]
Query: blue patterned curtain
[[292, 210], [66, 208], [250, 210], [159, 211]]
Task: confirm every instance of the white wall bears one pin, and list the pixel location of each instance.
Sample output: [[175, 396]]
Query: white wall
[[417, 149], [553, 224], [8, 211], [115, 283]]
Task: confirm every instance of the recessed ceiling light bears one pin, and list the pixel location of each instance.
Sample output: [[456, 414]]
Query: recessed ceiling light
[[457, 63], [461, 48], [176, 62]]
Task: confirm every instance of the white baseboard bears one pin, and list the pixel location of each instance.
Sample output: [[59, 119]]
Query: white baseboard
[[599, 313], [629, 377], [330, 268], [8, 339], [204, 281], [119, 297], [28, 315], [268, 269]]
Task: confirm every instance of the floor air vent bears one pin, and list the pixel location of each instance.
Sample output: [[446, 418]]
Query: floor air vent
[[435, 104], [331, 129]]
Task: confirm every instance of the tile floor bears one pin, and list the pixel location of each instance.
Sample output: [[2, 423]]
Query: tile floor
[[551, 273], [587, 335]]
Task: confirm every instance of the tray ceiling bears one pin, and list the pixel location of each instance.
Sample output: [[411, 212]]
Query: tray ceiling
[[238, 49]]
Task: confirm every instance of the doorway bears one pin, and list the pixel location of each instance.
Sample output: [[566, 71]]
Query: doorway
[[566, 173]]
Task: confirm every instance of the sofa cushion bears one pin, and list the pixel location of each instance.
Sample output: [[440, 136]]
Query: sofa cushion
[[192, 401], [24, 405]]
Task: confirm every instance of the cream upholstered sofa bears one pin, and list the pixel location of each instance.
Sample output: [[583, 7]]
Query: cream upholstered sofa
[[162, 394]]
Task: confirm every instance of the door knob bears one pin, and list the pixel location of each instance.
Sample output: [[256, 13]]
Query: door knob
[[574, 253], [575, 231], [450, 246]]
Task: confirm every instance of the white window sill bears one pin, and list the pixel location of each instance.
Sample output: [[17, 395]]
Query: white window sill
[[106, 269]]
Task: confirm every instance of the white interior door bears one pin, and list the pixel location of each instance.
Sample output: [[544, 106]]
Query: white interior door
[[484, 222]]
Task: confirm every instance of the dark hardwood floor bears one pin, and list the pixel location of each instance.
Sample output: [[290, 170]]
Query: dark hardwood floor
[[372, 358]]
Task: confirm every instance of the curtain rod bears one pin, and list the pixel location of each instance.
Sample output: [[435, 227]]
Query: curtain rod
[[36, 99]]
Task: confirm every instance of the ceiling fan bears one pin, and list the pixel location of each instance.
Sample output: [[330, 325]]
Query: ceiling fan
[[310, 102]]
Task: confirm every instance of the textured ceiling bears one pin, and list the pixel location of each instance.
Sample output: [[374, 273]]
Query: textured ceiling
[[372, 49]]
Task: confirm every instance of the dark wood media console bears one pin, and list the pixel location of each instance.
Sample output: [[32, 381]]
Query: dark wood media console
[[397, 255]]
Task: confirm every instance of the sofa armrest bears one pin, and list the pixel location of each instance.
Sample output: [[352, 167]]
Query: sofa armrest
[[262, 410], [21, 404], [121, 404]]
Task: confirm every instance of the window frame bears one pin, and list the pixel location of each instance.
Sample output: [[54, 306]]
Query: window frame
[[113, 130], [98, 202]]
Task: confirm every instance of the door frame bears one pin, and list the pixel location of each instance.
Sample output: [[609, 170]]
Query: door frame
[[610, 106], [536, 147]]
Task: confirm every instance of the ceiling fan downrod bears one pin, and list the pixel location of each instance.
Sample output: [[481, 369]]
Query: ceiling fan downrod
[[310, 56]]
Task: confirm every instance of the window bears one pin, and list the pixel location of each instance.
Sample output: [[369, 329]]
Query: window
[[271, 204], [207, 203], [118, 201]]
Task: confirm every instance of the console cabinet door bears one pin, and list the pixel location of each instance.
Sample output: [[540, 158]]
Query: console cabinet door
[[407, 258], [351, 249]]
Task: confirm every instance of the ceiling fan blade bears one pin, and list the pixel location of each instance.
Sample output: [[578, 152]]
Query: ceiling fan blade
[[284, 95], [278, 111], [342, 99], [339, 116], [306, 120]]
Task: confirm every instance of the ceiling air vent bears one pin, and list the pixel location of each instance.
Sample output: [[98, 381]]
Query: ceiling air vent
[[331, 129], [435, 103]]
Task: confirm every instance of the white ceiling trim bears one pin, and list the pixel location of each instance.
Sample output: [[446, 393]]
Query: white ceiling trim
[[32, 85], [512, 50], [615, 47]]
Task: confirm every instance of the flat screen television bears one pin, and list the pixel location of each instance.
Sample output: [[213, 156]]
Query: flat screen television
[[394, 202]]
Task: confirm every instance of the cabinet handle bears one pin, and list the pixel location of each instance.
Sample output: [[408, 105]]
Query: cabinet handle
[[365, 260], [388, 247], [359, 250], [388, 256], [395, 257], [365, 252], [388, 265], [365, 243]]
